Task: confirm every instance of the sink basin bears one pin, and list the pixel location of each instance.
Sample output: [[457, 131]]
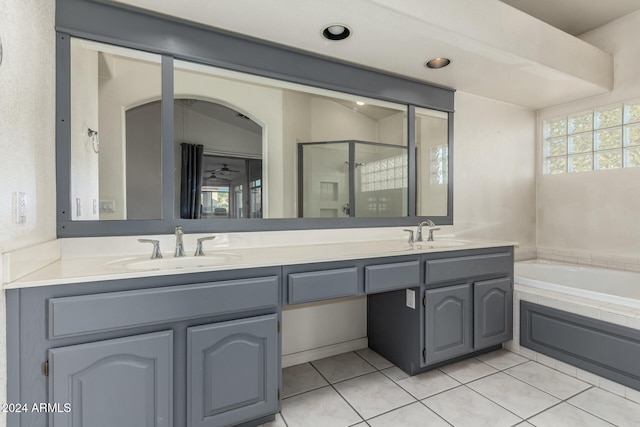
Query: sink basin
[[444, 243], [139, 263]]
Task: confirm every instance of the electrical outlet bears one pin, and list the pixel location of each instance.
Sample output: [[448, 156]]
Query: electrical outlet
[[411, 298], [107, 205], [21, 207], [78, 206]]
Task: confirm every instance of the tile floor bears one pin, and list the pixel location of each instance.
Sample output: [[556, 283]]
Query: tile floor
[[496, 389]]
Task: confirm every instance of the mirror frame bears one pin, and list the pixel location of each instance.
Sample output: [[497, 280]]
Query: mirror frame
[[106, 22]]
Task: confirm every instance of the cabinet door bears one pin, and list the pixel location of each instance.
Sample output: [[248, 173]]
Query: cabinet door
[[493, 312], [448, 322], [232, 371], [120, 382]]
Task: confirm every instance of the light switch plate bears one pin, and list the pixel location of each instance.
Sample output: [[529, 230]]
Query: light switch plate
[[21, 207], [411, 298]]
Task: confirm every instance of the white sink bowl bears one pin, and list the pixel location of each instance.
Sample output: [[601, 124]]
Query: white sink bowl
[[139, 263], [444, 243]]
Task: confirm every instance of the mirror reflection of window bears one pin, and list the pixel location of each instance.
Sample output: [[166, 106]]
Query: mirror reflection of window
[[432, 162], [219, 148]]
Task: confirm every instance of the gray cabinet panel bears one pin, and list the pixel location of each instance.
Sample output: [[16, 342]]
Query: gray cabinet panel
[[606, 349], [232, 371], [447, 269], [324, 284], [387, 277], [493, 312], [448, 322], [117, 310], [120, 382]]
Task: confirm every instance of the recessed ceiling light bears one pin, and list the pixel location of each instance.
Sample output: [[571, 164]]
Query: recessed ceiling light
[[336, 32], [359, 103], [437, 63]]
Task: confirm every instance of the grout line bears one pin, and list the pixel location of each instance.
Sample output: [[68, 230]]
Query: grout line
[[586, 410], [422, 401], [437, 414], [490, 400]]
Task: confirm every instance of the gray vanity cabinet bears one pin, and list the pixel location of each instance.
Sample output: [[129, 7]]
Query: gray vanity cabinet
[[448, 326], [119, 382], [200, 349], [493, 312], [466, 308], [232, 371]]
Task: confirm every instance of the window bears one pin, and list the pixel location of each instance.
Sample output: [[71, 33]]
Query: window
[[604, 138]]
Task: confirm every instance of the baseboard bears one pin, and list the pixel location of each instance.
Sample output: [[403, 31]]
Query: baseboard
[[322, 352]]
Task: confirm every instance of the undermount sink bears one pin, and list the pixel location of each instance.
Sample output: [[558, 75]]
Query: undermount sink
[[139, 263], [444, 243]]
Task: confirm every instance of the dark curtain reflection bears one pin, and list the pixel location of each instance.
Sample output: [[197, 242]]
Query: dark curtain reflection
[[191, 180]]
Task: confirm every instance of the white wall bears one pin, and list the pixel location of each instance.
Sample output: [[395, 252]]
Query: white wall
[[296, 115], [84, 116], [27, 133], [130, 84], [333, 122], [494, 170], [596, 211]]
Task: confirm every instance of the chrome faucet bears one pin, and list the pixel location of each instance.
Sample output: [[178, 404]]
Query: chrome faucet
[[431, 226], [156, 247], [179, 245], [199, 250]]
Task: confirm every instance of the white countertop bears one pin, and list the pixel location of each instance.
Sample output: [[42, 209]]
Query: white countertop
[[79, 269]]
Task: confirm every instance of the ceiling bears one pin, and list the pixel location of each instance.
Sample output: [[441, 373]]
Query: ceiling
[[576, 16], [496, 51]]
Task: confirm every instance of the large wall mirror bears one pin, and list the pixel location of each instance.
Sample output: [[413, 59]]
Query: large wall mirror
[[244, 146]]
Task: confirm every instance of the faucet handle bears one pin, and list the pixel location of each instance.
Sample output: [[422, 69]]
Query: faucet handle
[[199, 250], [431, 230], [156, 247], [411, 239]]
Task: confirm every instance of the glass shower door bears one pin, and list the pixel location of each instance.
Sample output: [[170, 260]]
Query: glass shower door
[[324, 180]]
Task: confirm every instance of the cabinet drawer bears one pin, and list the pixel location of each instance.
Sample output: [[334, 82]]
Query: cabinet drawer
[[387, 277], [119, 310], [443, 270], [320, 285]]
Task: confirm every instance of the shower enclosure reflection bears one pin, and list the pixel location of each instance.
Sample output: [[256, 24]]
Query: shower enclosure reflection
[[352, 178]]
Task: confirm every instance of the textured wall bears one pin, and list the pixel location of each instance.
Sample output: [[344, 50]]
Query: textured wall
[[27, 133], [596, 211], [494, 170]]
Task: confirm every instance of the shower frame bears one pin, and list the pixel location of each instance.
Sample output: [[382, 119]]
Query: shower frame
[[352, 170]]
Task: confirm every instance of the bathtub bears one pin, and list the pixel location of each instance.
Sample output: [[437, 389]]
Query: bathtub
[[610, 286]]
